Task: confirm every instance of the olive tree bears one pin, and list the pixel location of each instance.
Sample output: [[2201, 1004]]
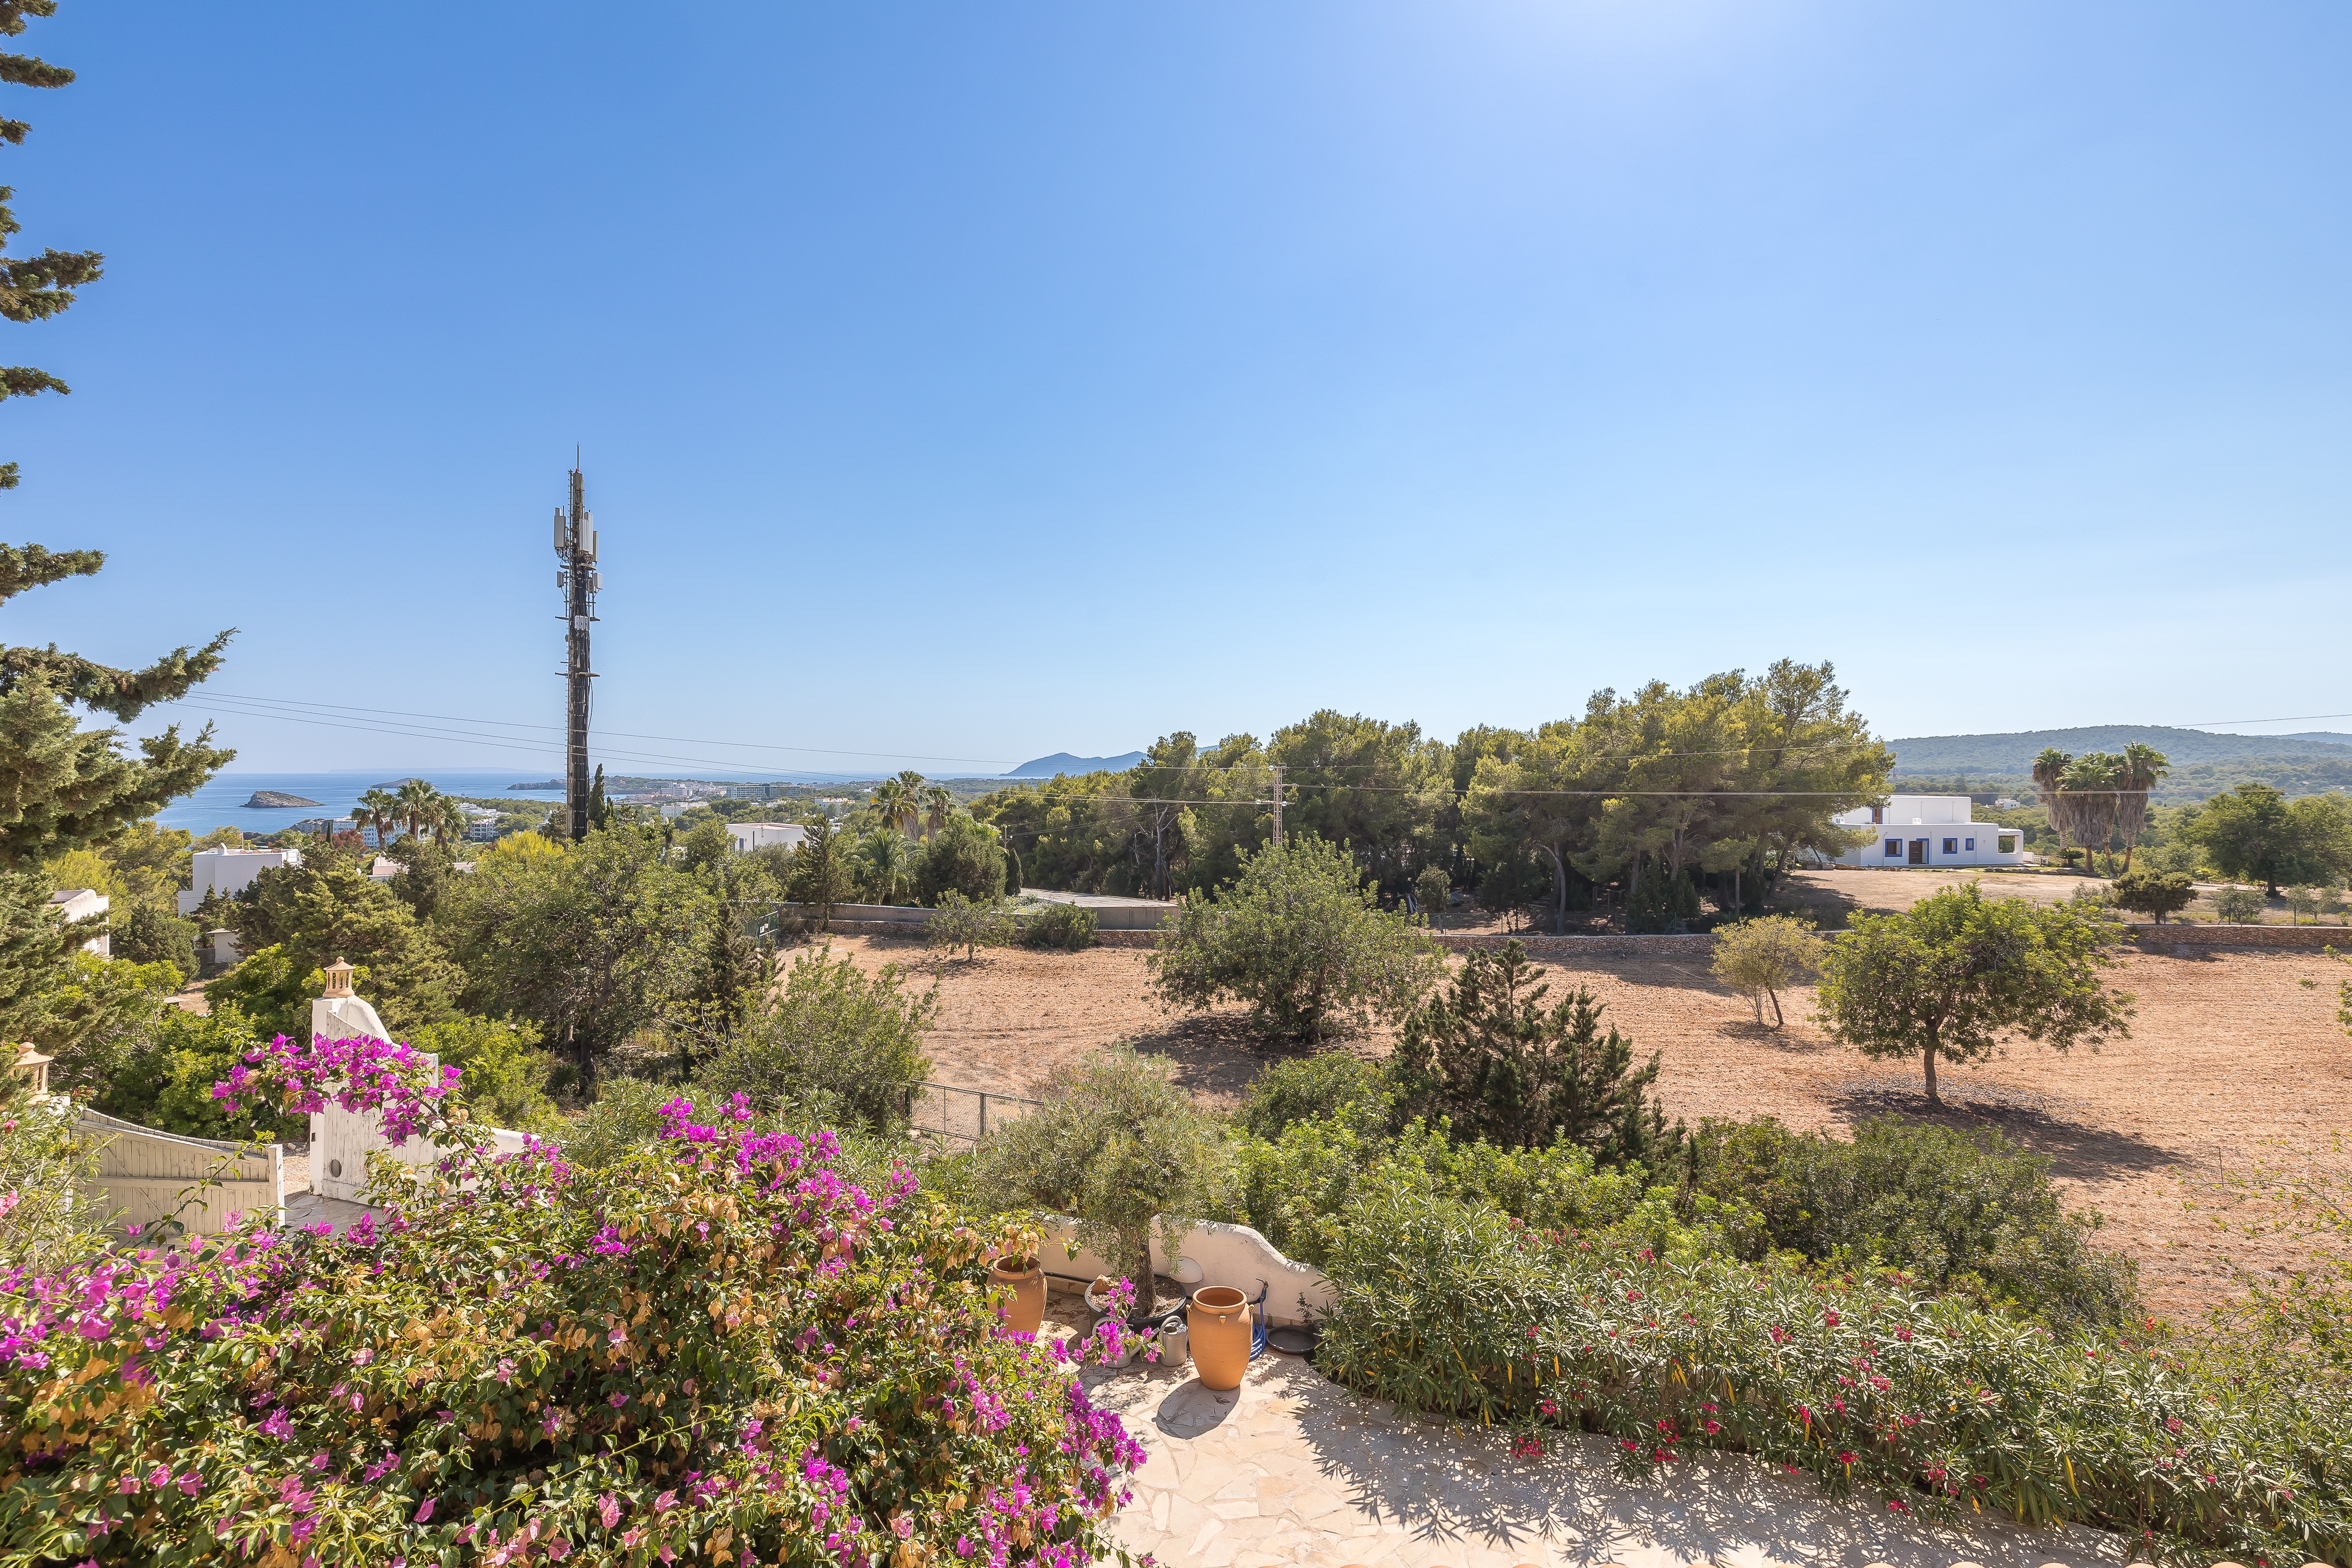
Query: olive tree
[[1954, 975], [834, 1041], [1300, 939], [1764, 957], [1118, 1147]]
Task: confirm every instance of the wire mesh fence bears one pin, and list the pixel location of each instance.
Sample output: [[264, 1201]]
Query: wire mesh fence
[[945, 1110]]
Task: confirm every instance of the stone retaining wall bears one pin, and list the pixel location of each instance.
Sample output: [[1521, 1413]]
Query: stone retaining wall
[[2155, 937]]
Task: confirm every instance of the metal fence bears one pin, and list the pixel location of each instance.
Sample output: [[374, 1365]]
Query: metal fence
[[944, 1110]]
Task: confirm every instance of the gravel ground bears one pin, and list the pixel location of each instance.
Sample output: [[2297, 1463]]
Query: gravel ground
[[2231, 1053]]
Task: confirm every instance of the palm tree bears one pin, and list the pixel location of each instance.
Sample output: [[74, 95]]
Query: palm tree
[[2049, 770], [449, 821], [415, 798], [896, 802], [382, 808], [884, 863], [2144, 768], [937, 801], [2093, 789]]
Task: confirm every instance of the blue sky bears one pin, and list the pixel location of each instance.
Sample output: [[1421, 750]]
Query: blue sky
[[964, 381]]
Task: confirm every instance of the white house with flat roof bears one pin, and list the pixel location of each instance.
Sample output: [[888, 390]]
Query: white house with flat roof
[[751, 835], [76, 905], [1930, 830], [229, 872]]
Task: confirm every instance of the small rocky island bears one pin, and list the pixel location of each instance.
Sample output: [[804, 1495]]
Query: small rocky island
[[265, 799]]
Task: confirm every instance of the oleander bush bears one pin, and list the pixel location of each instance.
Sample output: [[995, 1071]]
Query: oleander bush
[[719, 1348], [1910, 1402], [1967, 1211]]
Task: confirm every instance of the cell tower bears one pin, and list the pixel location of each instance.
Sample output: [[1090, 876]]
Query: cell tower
[[576, 546]]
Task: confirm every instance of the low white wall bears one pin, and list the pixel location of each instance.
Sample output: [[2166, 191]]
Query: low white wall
[[143, 1173], [1231, 1255]]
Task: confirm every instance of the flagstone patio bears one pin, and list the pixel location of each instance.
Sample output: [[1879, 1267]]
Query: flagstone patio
[[1295, 1469]]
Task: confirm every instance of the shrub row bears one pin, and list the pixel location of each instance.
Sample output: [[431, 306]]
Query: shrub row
[[1917, 1403]]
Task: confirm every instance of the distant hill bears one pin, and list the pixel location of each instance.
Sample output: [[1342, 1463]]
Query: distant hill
[[2204, 764], [2014, 753], [1063, 763]]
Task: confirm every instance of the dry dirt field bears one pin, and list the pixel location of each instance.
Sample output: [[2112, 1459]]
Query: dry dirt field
[[2228, 1051]]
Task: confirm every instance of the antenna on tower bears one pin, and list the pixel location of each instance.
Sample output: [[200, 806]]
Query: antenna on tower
[[576, 546]]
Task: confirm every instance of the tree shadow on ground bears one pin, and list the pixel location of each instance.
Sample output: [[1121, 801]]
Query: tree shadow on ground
[[1216, 1053], [2044, 1123]]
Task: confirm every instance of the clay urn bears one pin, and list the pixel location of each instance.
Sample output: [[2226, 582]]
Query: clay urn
[[1025, 1313], [1219, 1324]]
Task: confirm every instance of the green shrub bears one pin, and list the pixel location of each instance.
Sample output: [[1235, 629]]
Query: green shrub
[[624, 1118], [1304, 1190], [1069, 927], [1300, 939], [959, 922], [148, 935], [2157, 893], [963, 856], [836, 1040], [49, 1217], [1658, 903], [1115, 1145], [1333, 1085], [2239, 905], [167, 1081], [1914, 1404], [1429, 891], [1761, 958], [1486, 1054], [1970, 1213], [506, 1072]]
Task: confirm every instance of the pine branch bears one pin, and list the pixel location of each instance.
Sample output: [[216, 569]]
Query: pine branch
[[14, 131], [14, 11], [124, 693], [31, 566], [29, 70], [23, 381], [39, 287]]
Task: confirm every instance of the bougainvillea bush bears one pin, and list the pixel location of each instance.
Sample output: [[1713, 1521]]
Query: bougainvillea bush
[[1908, 1402], [719, 1351]]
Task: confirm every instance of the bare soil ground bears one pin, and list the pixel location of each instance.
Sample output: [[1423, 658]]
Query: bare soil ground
[[2230, 1052]]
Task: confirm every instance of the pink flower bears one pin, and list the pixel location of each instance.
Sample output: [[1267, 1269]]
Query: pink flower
[[617, 1400], [423, 1510], [608, 1509], [902, 1526], [664, 1502]]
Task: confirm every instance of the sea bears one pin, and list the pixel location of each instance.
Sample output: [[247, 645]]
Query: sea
[[221, 803]]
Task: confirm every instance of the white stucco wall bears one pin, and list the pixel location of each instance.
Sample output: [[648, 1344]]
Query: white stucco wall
[[229, 871], [1231, 1255]]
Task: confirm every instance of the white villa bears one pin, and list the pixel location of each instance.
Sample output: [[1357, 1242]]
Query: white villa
[[76, 905], [229, 871], [1930, 830], [751, 835]]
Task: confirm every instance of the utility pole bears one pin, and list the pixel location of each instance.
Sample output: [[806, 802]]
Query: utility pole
[[1277, 806], [576, 546]]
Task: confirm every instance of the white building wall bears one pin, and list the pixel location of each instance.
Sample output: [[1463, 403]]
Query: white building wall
[[1930, 830], [229, 872], [751, 835]]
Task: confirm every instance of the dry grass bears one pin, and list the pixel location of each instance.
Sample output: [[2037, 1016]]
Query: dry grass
[[2229, 1050]]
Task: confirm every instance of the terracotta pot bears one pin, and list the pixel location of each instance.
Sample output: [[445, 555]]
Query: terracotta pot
[[1025, 1313], [1219, 1322]]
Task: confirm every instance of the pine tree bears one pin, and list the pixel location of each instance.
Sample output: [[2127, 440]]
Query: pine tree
[[63, 788], [1488, 1054]]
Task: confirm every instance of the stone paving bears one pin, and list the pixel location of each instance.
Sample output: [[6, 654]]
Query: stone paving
[[1293, 1469]]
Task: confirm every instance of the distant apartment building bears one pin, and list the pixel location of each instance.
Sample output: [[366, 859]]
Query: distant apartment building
[[751, 835], [229, 872], [1930, 830], [758, 792], [76, 905]]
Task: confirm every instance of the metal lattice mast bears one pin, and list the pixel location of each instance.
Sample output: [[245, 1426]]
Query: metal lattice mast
[[576, 546]]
